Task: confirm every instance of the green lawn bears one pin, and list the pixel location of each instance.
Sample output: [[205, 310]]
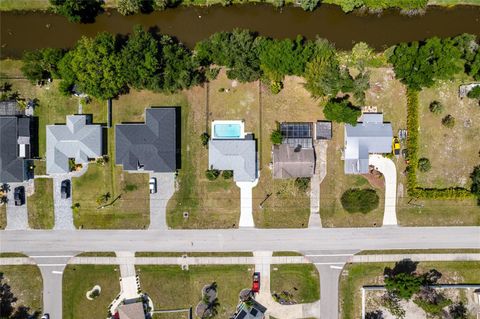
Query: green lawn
[[40, 167], [26, 284], [40, 205], [8, 5], [301, 281], [419, 251], [78, 279], [173, 288], [3, 216], [357, 275]]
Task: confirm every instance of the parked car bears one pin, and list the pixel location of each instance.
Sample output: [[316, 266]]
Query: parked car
[[65, 189], [256, 282], [153, 185], [19, 195], [45, 316]]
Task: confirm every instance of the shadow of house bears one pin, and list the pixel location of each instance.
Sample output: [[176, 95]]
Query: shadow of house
[[151, 146]]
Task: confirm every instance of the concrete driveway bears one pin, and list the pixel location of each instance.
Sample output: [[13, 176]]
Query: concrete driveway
[[159, 200], [17, 216], [246, 203], [389, 171], [63, 206]]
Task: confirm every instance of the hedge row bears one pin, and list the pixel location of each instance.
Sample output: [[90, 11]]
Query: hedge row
[[412, 156]]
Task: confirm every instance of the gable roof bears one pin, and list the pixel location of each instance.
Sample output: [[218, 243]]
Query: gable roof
[[238, 155], [76, 139], [370, 135], [289, 162], [151, 144], [131, 311], [13, 130]]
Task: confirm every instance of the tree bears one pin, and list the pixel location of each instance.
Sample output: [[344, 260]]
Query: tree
[[302, 183], [436, 107], [236, 50], [404, 285], [475, 176], [95, 65], [309, 5], [350, 5], [127, 7], [140, 56], [378, 314], [355, 200], [41, 64], [6, 299], [204, 137], [341, 111], [83, 11], [458, 311], [276, 137], [284, 57], [424, 164], [227, 174], [448, 121], [322, 73], [212, 174], [360, 84], [473, 68], [431, 301]]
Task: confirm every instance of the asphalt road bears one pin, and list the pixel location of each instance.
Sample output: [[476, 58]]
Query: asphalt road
[[327, 239]]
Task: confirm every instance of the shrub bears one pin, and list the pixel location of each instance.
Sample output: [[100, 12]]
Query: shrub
[[309, 5], [212, 73], [276, 87], [475, 188], [127, 7], [212, 174], [302, 183], [378, 314], [474, 93], [83, 11], [436, 107], [424, 165], [392, 303], [94, 293], [276, 137], [227, 174], [458, 311], [204, 137], [431, 301], [359, 200], [404, 285], [448, 121]]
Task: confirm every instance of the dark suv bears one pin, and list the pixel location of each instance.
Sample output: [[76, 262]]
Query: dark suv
[[19, 195], [65, 189]]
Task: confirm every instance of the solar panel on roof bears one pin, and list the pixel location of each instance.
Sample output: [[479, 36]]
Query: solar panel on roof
[[253, 312]]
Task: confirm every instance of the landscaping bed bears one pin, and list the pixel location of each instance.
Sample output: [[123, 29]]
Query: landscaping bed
[[354, 276], [29, 292], [295, 283], [181, 289], [41, 213], [78, 280], [3, 216]]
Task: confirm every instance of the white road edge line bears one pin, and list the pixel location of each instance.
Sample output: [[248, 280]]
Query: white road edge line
[[329, 263], [336, 267]]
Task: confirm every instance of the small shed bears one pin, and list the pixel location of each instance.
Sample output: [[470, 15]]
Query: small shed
[[323, 130]]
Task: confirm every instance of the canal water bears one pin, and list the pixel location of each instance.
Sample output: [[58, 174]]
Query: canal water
[[30, 30]]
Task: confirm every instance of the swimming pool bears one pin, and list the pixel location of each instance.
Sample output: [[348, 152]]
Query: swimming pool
[[228, 129]]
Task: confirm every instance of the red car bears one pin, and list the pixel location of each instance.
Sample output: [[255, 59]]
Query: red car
[[256, 282]]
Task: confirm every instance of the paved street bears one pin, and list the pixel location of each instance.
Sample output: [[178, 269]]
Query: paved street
[[159, 200], [327, 239], [63, 206]]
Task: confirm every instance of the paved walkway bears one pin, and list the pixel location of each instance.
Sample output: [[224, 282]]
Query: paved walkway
[[128, 282], [316, 180], [389, 171], [159, 200], [17, 216], [246, 203], [275, 309]]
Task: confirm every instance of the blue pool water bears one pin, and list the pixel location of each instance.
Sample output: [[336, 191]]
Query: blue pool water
[[226, 130]]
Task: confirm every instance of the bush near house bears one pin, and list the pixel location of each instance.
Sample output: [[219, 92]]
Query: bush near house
[[424, 165], [212, 174], [276, 137], [357, 200], [448, 121]]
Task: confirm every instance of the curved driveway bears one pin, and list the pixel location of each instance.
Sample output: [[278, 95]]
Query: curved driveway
[[387, 168]]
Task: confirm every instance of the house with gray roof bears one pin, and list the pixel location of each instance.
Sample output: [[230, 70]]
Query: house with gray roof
[[371, 135], [15, 148], [237, 155], [78, 139], [150, 146], [253, 310]]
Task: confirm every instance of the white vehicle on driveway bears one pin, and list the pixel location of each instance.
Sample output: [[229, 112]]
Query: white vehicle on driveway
[[153, 185]]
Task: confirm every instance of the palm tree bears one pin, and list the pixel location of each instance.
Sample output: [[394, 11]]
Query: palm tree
[[3, 200], [212, 309], [5, 188], [213, 286]]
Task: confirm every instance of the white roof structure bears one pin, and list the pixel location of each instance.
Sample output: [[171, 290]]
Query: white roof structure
[[370, 136], [78, 139]]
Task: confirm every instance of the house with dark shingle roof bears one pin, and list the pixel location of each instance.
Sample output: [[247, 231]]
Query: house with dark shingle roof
[[150, 146], [15, 147]]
